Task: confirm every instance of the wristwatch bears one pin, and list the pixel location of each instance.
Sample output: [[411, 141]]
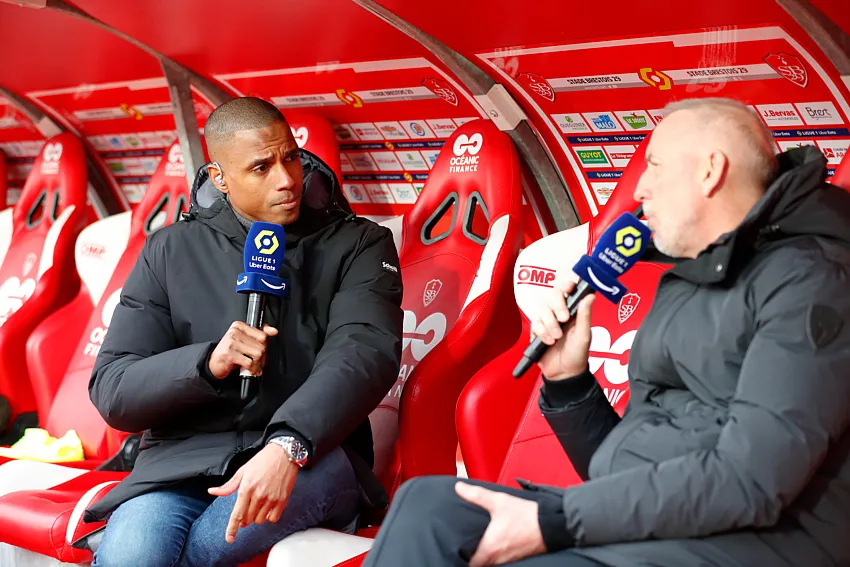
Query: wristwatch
[[295, 449]]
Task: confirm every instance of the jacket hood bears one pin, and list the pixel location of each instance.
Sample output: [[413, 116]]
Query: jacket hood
[[322, 201], [798, 203]]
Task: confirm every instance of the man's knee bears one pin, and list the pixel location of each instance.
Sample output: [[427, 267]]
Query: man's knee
[[421, 497]]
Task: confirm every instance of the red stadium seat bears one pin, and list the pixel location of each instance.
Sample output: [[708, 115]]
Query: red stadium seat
[[37, 274], [34, 516], [498, 451], [316, 135], [4, 181], [459, 244]]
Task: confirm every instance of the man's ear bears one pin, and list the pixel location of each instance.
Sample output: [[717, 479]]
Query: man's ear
[[217, 176], [713, 171]]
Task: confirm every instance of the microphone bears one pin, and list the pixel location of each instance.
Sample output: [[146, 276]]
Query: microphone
[[262, 259], [618, 249]]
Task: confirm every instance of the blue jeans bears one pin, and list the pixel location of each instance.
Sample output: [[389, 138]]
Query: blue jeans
[[170, 528]]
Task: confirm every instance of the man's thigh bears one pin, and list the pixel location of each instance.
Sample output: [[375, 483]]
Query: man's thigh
[[328, 494], [149, 530], [429, 524]]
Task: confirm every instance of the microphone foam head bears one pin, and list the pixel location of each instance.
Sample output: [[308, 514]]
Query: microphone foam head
[[264, 248], [622, 244]]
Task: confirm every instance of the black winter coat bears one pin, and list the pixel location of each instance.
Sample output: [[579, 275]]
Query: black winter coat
[[336, 356], [735, 448]]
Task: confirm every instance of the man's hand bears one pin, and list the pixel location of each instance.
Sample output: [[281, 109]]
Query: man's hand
[[264, 484], [241, 346], [513, 532], [568, 357]]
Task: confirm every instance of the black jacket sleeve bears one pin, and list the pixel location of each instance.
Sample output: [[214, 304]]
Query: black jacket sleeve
[[789, 409], [580, 415], [141, 377], [359, 360]]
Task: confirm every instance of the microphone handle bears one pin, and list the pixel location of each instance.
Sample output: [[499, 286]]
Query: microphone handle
[[535, 351], [254, 318]]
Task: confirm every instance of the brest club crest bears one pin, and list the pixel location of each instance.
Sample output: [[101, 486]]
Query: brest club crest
[[790, 67], [628, 304], [539, 84], [432, 288]]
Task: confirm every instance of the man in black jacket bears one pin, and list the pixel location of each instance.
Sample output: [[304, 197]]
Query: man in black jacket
[[735, 448], [219, 480]]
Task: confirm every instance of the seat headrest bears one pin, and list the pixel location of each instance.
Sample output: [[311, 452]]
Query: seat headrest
[[316, 135], [167, 194], [473, 167], [842, 174], [57, 180]]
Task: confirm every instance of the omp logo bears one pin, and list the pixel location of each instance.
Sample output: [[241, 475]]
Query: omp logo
[[463, 145], [612, 358], [99, 333], [266, 242], [421, 338], [175, 167], [656, 79], [50, 158], [13, 294], [471, 144], [92, 249], [301, 135], [535, 275], [628, 241], [349, 98]]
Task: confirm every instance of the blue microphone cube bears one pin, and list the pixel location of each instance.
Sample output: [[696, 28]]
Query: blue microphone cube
[[262, 260]]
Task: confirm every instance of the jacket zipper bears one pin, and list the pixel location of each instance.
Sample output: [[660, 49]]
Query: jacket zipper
[[239, 443]]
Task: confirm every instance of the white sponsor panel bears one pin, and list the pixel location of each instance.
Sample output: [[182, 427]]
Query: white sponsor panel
[[392, 130], [401, 93], [442, 127], [345, 163], [819, 113], [412, 160], [419, 186], [404, 193], [379, 193], [133, 141], [461, 121], [657, 115], [620, 155], [344, 133], [602, 121], [593, 82], [151, 139], [603, 191], [134, 191], [418, 129], [356, 193], [755, 72], [785, 145], [31, 148], [149, 164], [386, 161], [635, 120], [362, 161], [366, 131], [834, 150], [430, 156], [779, 114], [295, 101], [571, 123], [591, 156]]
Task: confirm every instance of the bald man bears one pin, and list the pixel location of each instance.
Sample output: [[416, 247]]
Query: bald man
[[735, 448], [219, 480]]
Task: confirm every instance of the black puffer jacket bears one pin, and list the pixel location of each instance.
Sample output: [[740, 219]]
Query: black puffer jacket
[[735, 448], [336, 356]]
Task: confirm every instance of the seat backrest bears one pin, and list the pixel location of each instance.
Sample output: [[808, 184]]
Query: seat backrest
[[316, 135], [458, 246], [37, 273], [613, 327], [106, 252], [842, 173]]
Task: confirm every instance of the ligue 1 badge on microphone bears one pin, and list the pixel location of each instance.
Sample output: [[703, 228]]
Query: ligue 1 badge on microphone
[[263, 259]]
